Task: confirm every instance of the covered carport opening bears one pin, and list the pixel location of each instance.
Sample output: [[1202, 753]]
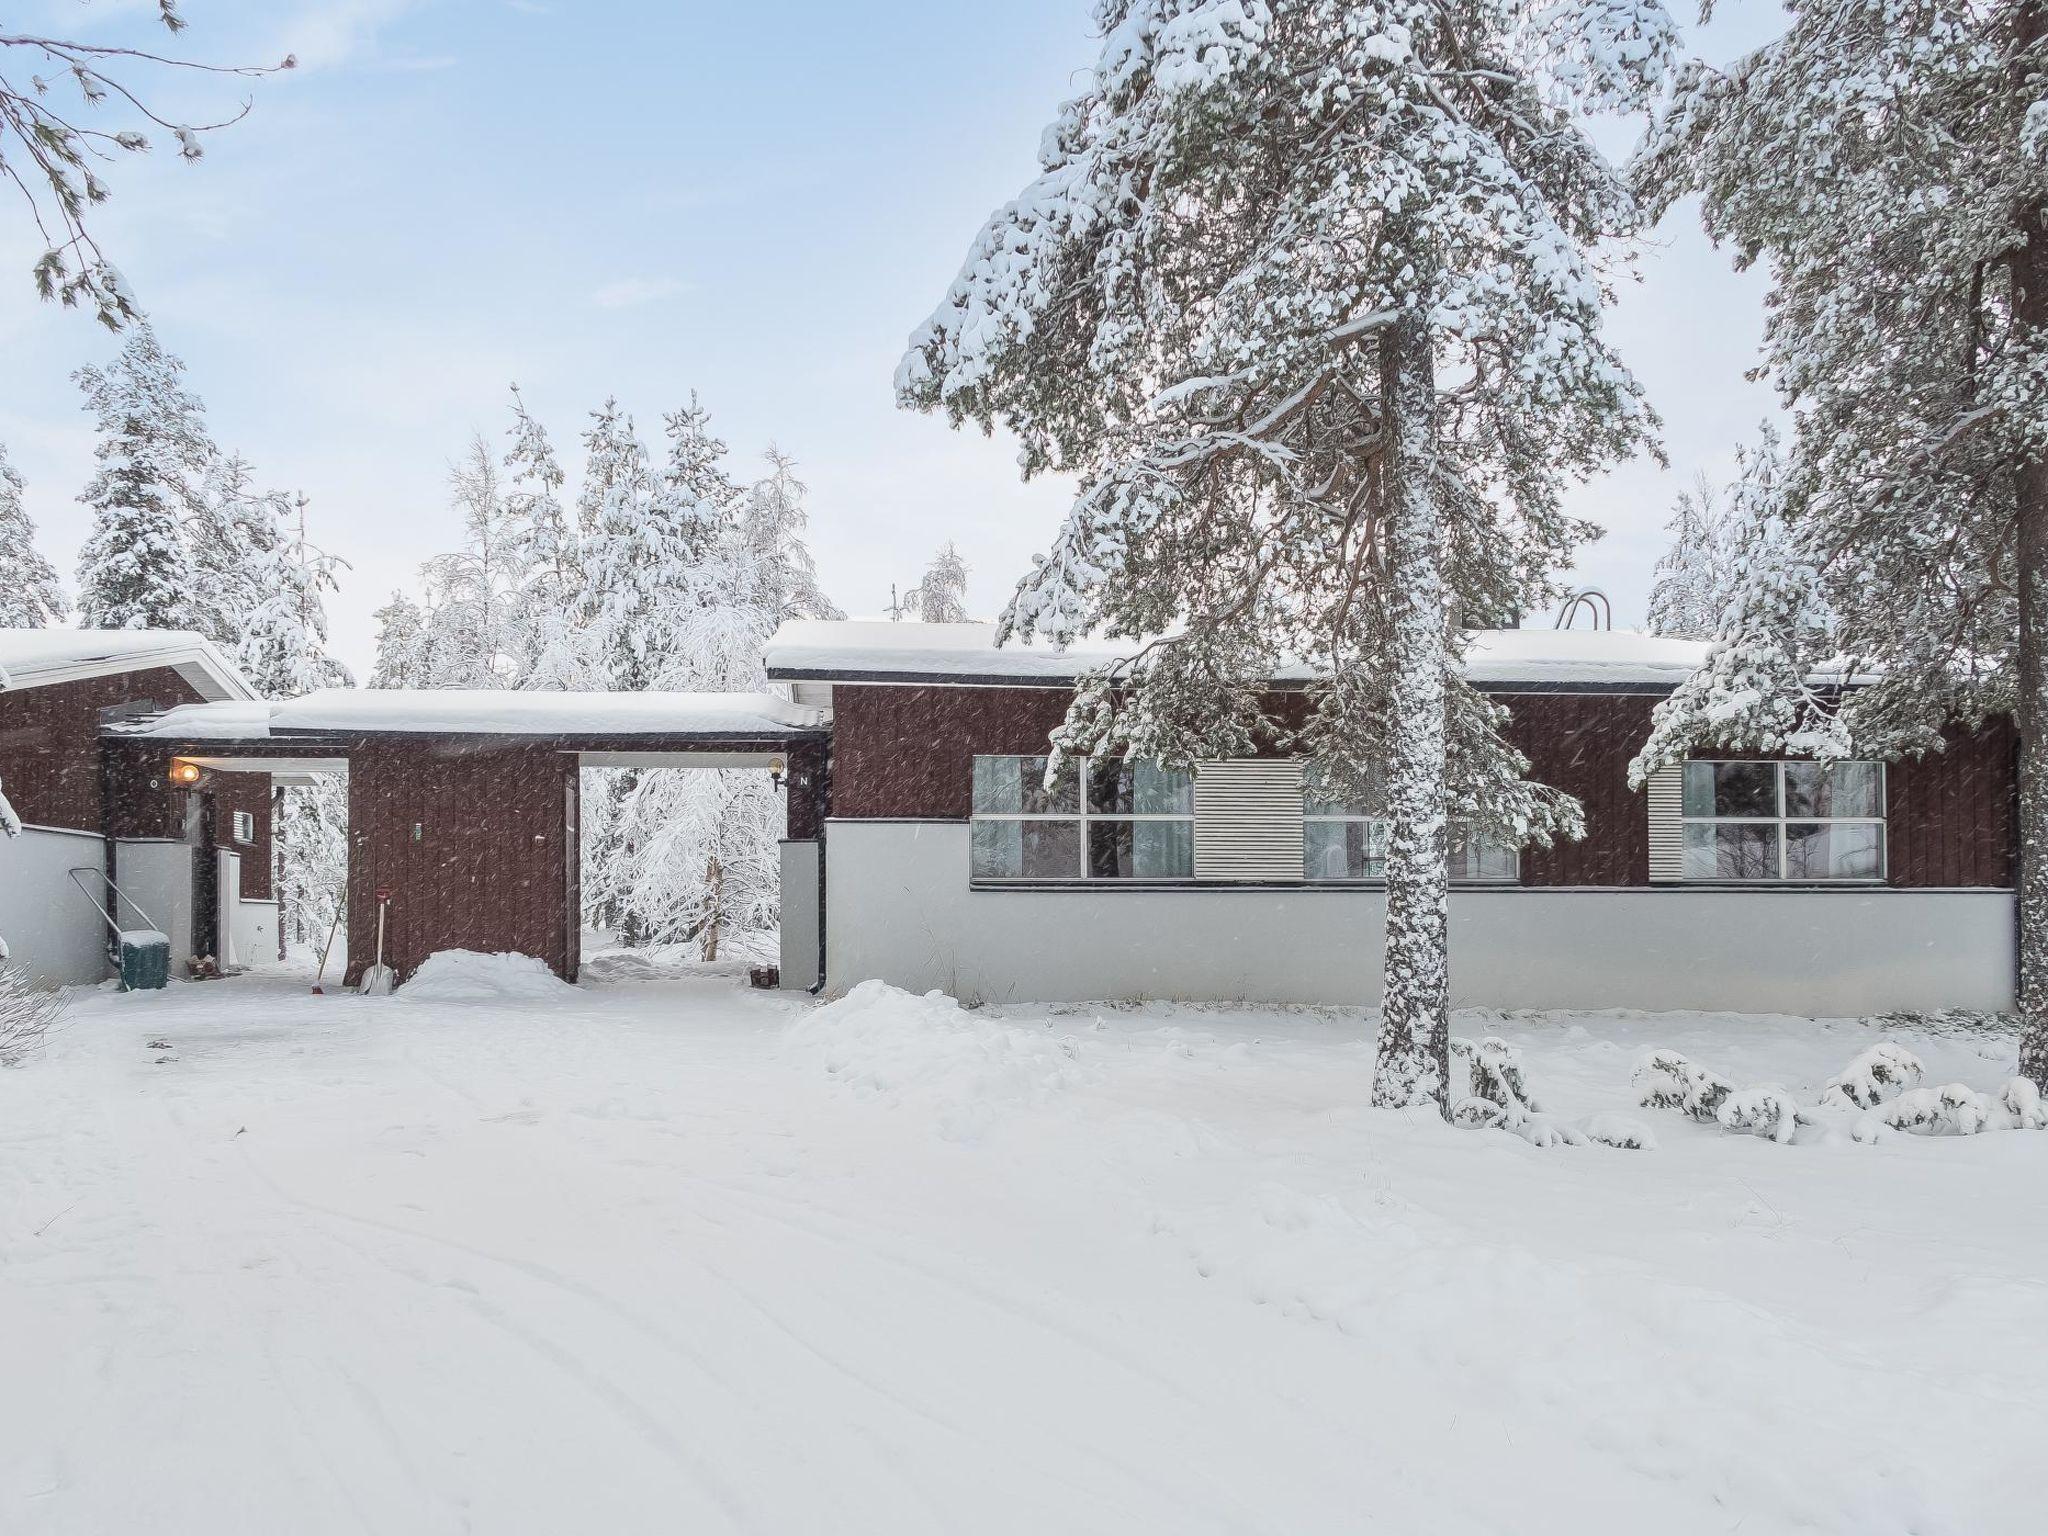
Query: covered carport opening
[[465, 809]]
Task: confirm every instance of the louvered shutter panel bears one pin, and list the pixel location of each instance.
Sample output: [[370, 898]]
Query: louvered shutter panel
[[1667, 825], [1248, 820]]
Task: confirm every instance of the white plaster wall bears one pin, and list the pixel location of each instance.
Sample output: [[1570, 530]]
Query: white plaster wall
[[899, 907], [52, 931], [155, 875], [799, 954]]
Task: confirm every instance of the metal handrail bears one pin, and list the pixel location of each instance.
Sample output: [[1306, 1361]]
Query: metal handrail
[[113, 922]]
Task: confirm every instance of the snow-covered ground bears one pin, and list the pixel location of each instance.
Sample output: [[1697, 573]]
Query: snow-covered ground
[[661, 1254]]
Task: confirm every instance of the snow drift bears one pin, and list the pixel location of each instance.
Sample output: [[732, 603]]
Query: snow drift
[[930, 1054], [470, 976]]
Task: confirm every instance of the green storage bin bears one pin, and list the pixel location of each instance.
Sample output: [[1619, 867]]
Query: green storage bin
[[145, 960]]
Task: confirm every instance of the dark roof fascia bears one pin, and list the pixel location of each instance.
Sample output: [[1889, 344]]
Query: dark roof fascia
[[581, 741], [309, 745], [1001, 680]]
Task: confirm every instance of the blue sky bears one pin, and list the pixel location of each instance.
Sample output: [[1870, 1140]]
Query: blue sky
[[756, 202]]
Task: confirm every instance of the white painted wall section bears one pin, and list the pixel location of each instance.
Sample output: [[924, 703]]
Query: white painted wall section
[[52, 932], [899, 907]]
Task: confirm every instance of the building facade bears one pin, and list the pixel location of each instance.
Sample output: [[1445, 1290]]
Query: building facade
[[1735, 883]]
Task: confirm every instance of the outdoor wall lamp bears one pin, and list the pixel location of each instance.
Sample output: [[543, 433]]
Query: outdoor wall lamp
[[184, 773], [775, 771]]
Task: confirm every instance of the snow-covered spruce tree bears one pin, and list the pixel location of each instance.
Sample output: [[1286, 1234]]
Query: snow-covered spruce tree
[[772, 525], [549, 546], [1690, 587], [1889, 165], [30, 595], [941, 597], [133, 572], [472, 634], [401, 645], [1308, 296], [699, 859]]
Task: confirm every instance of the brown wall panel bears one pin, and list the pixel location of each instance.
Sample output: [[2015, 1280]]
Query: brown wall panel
[[490, 867], [908, 752], [50, 742]]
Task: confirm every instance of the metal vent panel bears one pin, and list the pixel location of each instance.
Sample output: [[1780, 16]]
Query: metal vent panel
[[1667, 825], [1248, 820]]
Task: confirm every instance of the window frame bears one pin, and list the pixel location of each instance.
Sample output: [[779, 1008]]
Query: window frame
[[1783, 820], [1385, 828], [1082, 818]]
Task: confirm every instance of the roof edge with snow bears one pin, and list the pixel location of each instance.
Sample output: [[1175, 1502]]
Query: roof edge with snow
[[859, 651], [43, 658]]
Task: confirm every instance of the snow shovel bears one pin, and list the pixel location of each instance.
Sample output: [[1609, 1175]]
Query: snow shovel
[[378, 980], [327, 948]]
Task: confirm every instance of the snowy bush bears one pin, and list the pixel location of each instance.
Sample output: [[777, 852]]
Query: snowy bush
[[2022, 1100], [25, 1013], [1624, 1131], [1496, 1070], [1517, 1119], [1880, 1073], [1768, 1112], [1666, 1080], [1952, 1111]]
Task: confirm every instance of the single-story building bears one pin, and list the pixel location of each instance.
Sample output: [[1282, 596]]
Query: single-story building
[[1740, 884], [195, 864], [924, 848]]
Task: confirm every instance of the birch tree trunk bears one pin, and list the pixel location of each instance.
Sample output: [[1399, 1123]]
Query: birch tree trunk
[[1414, 1045], [714, 879], [2030, 318]]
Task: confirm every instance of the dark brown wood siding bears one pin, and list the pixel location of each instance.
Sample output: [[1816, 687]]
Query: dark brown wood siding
[[908, 752], [50, 742], [1952, 816], [472, 842], [1581, 743]]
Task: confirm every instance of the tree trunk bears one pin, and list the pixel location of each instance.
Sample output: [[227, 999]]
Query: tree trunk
[[714, 876], [2030, 319], [1413, 1068]]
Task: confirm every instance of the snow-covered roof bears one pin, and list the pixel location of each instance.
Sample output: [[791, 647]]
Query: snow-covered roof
[[226, 720], [483, 712], [37, 658], [864, 650]]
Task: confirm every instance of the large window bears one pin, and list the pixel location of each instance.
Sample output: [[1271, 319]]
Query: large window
[[1784, 821], [1344, 837], [1102, 819]]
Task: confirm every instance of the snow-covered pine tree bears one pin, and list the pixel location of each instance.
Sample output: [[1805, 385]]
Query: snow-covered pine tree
[[1886, 162], [1308, 296], [472, 633], [282, 650], [630, 560], [1690, 587], [698, 860], [549, 546], [232, 530], [401, 645], [30, 595], [693, 494], [941, 597], [772, 526], [133, 572]]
